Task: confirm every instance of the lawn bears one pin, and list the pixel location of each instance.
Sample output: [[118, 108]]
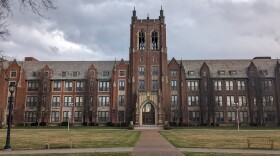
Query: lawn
[[222, 154], [82, 154], [82, 138], [214, 138]]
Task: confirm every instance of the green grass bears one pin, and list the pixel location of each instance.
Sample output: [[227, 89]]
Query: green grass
[[82, 138], [230, 127], [221, 154], [213, 138]]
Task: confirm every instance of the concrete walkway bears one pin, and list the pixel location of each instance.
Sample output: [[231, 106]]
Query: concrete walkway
[[151, 143], [249, 151]]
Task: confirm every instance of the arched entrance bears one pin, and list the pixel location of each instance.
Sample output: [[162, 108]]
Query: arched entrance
[[148, 114]]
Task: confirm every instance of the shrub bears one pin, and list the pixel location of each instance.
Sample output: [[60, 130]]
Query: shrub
[[166, 126], [85, 124], [43, 124], [130, 126]]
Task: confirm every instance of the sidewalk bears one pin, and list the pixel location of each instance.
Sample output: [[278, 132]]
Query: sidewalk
[[248, 151], [151, 143]]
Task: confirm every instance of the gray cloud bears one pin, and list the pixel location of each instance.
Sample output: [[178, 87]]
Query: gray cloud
[[99, 30]]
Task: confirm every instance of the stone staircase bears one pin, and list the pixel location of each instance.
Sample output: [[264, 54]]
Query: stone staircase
[[148, 127]]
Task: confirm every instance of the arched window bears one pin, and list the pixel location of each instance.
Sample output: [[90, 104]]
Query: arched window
[[141, 41], [154, 40]]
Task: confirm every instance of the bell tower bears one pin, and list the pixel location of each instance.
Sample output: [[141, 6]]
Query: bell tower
[[148, 69]]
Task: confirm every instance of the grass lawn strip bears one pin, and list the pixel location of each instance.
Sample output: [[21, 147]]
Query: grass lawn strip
[[221, 154], [212, 138], [81, 154], [82, 138]]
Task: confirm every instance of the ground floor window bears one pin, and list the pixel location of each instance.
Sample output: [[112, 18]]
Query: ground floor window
[[65, 116], [243, 116], [231, 116], [103, 116], [269, 116], [30, 116], [174, 115], [219, 116], [55, 116], [120, 116], [194, 116], [78, 116]]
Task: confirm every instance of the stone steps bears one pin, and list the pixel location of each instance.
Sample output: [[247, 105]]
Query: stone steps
[[148, 127]]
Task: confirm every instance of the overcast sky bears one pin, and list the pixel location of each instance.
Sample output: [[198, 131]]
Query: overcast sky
[[99, 29]]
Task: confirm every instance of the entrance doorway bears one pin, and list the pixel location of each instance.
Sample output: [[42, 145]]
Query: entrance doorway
[[148, 114]]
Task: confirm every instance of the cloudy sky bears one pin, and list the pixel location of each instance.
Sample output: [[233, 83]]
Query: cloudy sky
[[99, 29]]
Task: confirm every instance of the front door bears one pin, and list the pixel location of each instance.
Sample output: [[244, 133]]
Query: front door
[[148, 114]]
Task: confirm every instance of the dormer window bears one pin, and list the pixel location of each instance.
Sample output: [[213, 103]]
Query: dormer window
[[233, 72], [91, 73], [13, 74], [122, 73], [191, 73], [75, 74], [264, 72], [252, 71], [204, 73], [141, 41], [154, 40], [34, 74], [105, 73], [63, 74], [221, 72]]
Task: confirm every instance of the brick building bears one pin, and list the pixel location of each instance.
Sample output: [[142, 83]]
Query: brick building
[[147, 89]]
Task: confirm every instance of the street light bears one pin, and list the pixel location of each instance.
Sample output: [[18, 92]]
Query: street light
[[12, 88], [237, 116]]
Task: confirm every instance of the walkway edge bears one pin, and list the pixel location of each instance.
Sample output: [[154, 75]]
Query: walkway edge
[[208, 150], [67, 150]]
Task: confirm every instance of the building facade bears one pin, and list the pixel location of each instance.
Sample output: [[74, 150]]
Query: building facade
[[148, 89]]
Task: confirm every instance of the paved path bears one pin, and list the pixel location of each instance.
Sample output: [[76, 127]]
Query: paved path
[[151, 143], [66, 150], [208, 150]]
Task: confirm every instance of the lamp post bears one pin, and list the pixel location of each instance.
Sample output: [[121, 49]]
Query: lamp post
[[12, 88], [237, 115]]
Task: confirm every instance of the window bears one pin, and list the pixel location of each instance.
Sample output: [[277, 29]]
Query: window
[[32, 86], [141, 84], [105, 73], [154, 40], [267, 85], [103, 116], [75, 74], [103, 101], [120, 116], [194, 116], [13, 74], [219, 116], [34, 74], [155, 84], [55, 116], [80, 86], [141, 70], [154, 70], [91, 85], [241, 85], [242, 100], [65, 116], [141, 41], [191, 73], [255, 101], [68, 101], [68, 86], [155, 58], [121, 85], [243, 116], [193, 100], [230, 100], [269, 116], [217, 85], [173, 85], [174, 115], [174, 100], [121, 100], [63, 74], [78, 116], [221, 72], [56, 86], [141, 58], [104, 86], [31, 101], [264, 72], [233, 72], [30, 116], [121, 73], [267, 100], [44, 102], [91, 73], [79, 101], [173, 72], [56, 101], [192, 85], [204, 73], [231, 116], [229, 85], [219, 100]]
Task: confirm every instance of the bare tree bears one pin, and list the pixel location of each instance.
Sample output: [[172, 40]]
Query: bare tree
[[7, 6]]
